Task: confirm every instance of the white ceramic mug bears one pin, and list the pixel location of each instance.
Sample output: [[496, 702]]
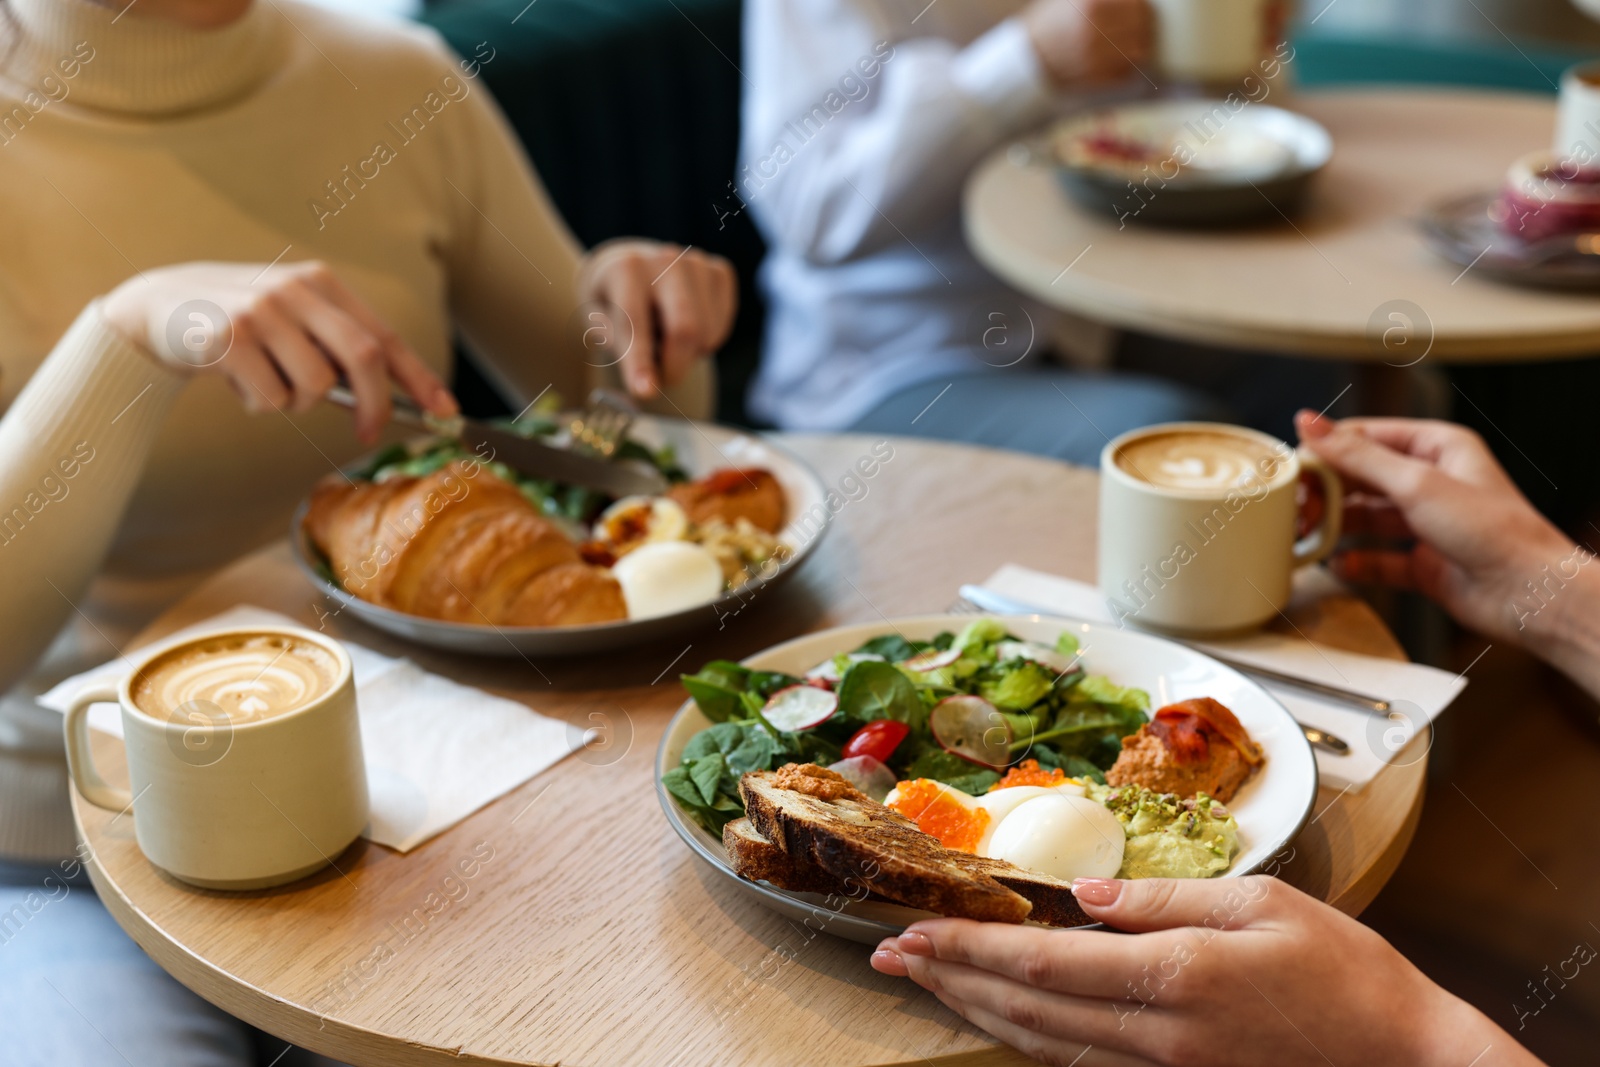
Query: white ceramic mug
[[1208, 561], [1577, 136], [234, 806], [1209, 40]]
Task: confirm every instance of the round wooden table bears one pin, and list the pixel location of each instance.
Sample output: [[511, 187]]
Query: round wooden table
[[587, 934], [1324, 284]]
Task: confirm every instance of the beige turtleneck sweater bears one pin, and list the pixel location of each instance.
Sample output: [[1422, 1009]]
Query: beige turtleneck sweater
[[128, 144]]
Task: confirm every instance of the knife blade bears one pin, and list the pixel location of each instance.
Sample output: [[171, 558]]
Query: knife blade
[[528, 455], [991, 601]]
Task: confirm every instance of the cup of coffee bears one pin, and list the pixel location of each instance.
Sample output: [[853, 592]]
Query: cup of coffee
[[244, 754], [1209, 40], [1577, 136], [1198, 524]]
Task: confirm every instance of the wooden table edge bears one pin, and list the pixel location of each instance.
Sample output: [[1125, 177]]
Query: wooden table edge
[[226, 991]]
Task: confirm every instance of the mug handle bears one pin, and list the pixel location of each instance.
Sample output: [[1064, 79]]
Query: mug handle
[[80, 763], [1319, 544]]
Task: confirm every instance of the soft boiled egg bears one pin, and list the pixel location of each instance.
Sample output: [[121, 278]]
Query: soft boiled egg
[[1061, 835], [665, 577], [640, 520], [962, 821]]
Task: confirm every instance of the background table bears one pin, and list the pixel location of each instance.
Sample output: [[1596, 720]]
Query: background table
[[588, 935], [1313, 286]]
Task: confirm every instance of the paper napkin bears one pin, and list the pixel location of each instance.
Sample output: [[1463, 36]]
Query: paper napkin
[[1418, 693], [436, 750]]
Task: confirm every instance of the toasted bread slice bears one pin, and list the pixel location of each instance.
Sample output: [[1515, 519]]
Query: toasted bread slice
[[816, 818], [756, 858]]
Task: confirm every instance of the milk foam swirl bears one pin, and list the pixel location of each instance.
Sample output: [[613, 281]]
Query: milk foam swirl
[[1199, 461], [249, 677]]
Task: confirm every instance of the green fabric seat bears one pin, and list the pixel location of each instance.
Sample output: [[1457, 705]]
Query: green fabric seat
[[1329, 59]]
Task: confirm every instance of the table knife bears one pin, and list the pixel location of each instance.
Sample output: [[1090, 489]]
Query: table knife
[[529, 455], [991, 601]]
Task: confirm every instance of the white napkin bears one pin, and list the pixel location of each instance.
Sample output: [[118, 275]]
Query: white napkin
[[1418, 693], [436, 751]]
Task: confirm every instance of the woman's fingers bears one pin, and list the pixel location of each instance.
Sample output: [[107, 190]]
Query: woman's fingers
[[1081, 962], [1091, 1020], [353, 349], [253, 375], [684, 315], [405, 366], [626, 288], [300, 362]]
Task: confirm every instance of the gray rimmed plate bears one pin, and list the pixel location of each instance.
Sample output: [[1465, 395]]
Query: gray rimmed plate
[[1272, 808], [701, 448], [1193, 163]]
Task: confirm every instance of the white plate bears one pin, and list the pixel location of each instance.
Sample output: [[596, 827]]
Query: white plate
[[1271, 808], [701, 447]]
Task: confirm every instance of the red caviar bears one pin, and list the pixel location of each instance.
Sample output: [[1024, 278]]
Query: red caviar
[[1028, 772], [935, 811]]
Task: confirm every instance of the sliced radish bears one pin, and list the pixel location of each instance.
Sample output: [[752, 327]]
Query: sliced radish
[[828, 671], [1043, 655], [800, 707], [932, 659], [866, 774], [972, 728]]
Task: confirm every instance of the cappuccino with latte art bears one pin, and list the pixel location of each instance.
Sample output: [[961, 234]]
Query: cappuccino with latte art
[[247, 677]]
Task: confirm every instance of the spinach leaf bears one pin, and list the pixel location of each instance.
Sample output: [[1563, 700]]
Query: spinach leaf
[[764, 683], [891, 647], [1071, 766], [716, 688], [743, 746], [706, 773], [871, 690]]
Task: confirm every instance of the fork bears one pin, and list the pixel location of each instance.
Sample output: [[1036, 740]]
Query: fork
[[600, 428], [1319, 738]]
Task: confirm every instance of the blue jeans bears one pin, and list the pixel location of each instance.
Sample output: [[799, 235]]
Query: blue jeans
[[1064, 414], [75, 991]]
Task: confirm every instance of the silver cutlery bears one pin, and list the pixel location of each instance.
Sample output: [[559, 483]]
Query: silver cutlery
[[529, 455]]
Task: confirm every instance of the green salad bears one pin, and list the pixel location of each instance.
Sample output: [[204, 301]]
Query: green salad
[[572, 503], [960, 709]]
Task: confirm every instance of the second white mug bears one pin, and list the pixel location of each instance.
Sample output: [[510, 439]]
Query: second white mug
[[1198, 536]]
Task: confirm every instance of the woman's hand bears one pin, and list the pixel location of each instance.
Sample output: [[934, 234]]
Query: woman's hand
[[668, 307], [1450, 524], [1089, 42], [1219, 971], [283, 335]]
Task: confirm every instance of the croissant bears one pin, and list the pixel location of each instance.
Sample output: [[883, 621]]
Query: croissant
[[460, 544]]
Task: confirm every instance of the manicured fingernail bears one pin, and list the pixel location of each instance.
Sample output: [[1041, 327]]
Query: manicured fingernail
[[915, 942], [1100, 892], [887, 962]]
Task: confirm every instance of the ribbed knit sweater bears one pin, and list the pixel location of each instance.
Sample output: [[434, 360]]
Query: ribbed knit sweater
[[128, 143]]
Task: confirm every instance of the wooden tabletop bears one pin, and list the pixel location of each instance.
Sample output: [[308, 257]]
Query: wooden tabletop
[[1312, 287], [586, 933]]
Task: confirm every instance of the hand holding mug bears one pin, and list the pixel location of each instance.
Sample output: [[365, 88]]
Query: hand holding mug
[[1089, 42]]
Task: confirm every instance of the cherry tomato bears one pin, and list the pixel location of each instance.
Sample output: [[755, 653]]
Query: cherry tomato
[[877, 739]]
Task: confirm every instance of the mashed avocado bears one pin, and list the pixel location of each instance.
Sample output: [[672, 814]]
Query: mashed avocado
[[1169, 837]]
